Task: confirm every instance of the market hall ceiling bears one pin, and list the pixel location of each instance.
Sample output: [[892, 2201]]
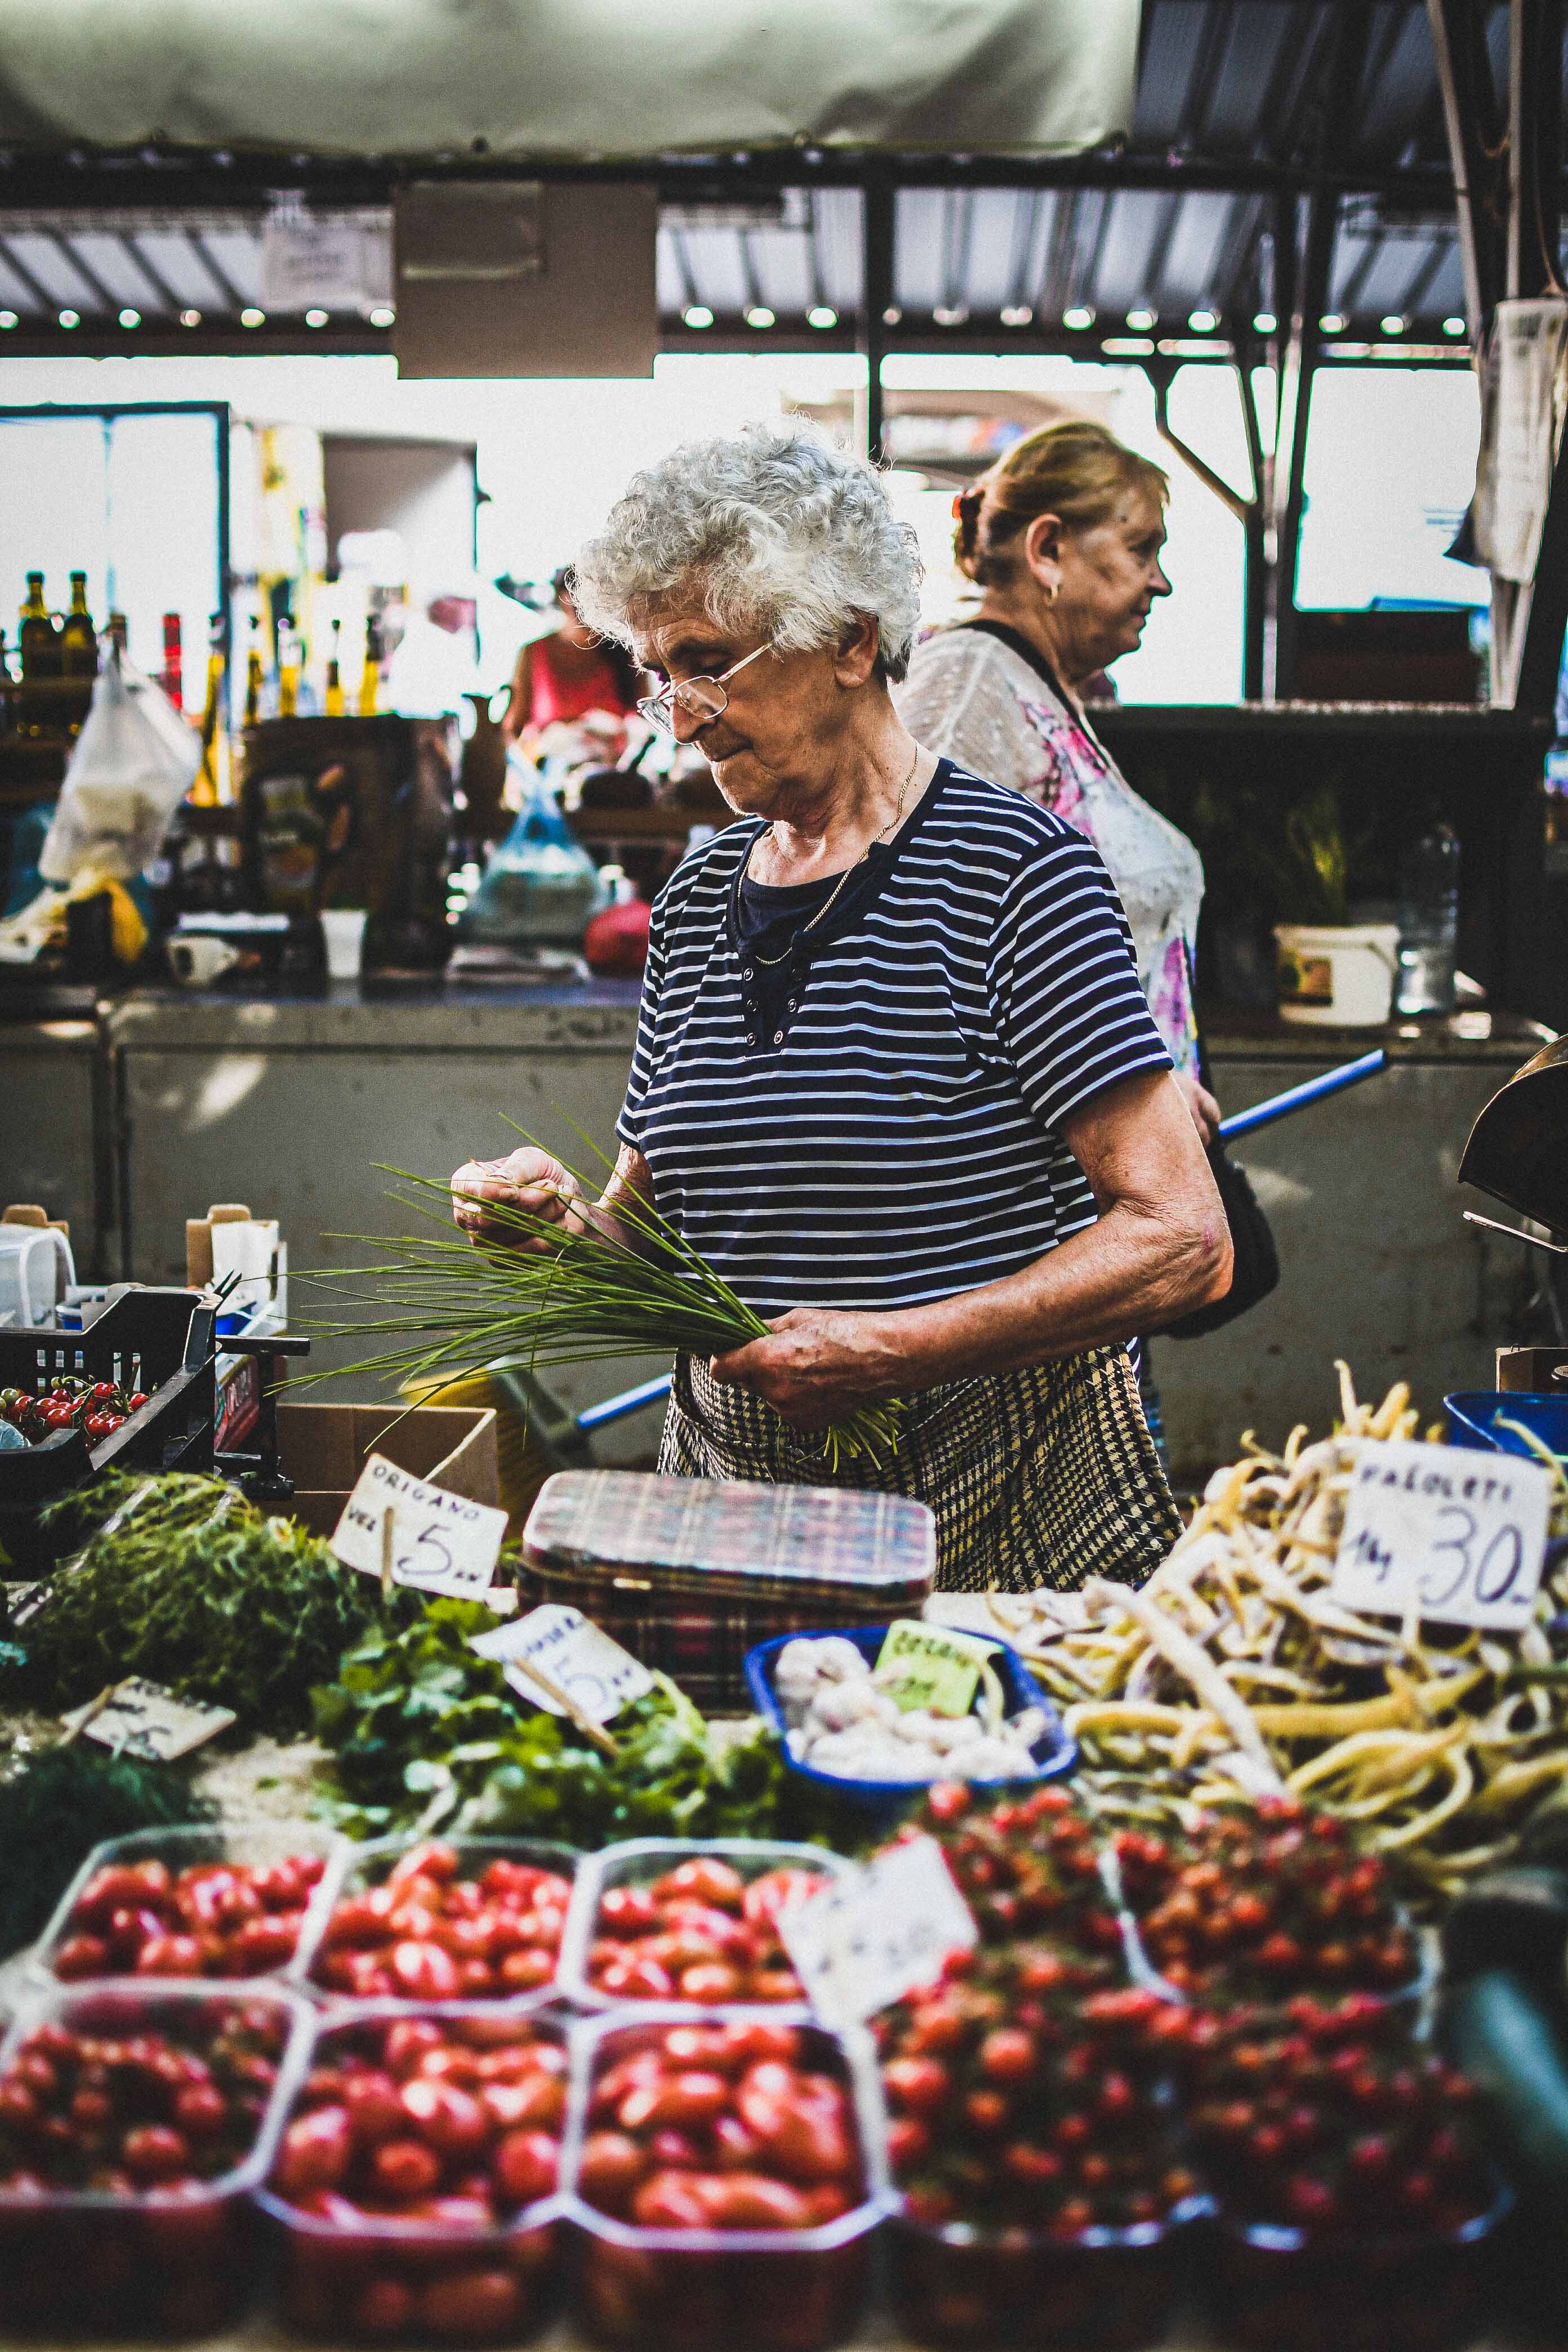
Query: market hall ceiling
[[1166, 243]]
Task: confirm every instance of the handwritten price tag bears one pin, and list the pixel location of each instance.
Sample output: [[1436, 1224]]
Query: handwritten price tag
[[440, 1542], [142, 1719], [1459, 1536], [875, 1937], [590, 1668], [936, 1667]]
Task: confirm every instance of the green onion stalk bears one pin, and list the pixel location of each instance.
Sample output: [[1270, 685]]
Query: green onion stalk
[[459, 1310]]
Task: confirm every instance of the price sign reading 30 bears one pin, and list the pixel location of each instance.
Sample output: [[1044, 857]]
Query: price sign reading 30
[[1457, 1536]]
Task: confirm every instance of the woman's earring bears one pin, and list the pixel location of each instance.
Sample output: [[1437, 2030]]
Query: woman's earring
[[1054, 591]]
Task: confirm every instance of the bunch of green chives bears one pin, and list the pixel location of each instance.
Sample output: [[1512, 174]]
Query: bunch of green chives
[[459, 1310]]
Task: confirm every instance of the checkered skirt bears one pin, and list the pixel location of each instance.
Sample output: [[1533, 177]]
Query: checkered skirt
[[1043, 1476]]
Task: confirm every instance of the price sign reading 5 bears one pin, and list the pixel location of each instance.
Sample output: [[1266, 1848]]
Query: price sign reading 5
[[1454, 1536]]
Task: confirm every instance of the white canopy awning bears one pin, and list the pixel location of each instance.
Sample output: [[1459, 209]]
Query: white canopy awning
[[568, 80]]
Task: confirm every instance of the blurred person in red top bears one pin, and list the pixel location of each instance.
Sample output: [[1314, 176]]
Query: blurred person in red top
[[566, 674]]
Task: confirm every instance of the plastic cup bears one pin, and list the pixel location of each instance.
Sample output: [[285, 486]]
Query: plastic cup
[[345, 929]]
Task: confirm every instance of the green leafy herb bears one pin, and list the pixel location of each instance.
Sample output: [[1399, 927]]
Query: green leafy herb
[[584, 1298], [182, 1580], [57, 1805], [426, 1730]]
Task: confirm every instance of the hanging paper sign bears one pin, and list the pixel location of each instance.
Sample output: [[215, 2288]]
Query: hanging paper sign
[[579, 1658], [141, 1718], [439, 1542], [1454, 1536], [868, 1940]]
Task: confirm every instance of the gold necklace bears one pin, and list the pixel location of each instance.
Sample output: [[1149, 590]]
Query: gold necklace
[[825, 910]]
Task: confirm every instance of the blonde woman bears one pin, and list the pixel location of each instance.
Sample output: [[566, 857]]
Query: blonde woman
[[1064, 535]]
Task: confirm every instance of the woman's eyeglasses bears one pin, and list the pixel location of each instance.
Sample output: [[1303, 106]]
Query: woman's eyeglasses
[[703, 698]]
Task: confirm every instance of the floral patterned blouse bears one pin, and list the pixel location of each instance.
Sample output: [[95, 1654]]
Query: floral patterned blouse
[[980, 694]]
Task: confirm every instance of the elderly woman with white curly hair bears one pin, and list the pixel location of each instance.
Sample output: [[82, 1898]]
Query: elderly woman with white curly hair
[[895, 1076]]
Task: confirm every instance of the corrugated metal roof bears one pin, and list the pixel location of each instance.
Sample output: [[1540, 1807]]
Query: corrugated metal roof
[[1170, 243]]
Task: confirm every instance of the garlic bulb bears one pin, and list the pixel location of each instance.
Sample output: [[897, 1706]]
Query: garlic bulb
[[840, 1720]]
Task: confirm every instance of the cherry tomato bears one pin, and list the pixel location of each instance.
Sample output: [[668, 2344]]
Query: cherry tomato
[[752, 2201], [405, 2168], [471, 2306], [453, 2121], [153, 2153], [525, 2165], [424, 1973], [609, 2168], [315, 2152]]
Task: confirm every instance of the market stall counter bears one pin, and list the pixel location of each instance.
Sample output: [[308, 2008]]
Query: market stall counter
[[201, 1097]]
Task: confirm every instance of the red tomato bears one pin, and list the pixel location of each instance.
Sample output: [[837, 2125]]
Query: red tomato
[[609, 2168], [525, 2164], [712, 1982], [688, 2100], [374, 2109], [404, 2169], [672, 2200], [627, 1911], [539, 2101], [804, 2139], [263, 1943], [452, 2121], [170, 1956], [707, 1878], [635, 1979], [774, 1891], [82, 1956], [918, 2085], [314, 2153], [524, 1971], [471, 2306], [424, 1973], [200, 2110], [152, 2154], [750, 2200], [385, 2309]]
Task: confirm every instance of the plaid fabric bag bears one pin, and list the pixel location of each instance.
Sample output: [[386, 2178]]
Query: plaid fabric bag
[[689, 1573], [1042, 1476]]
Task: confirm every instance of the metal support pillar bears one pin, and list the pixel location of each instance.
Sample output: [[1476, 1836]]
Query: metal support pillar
[[878, 218]]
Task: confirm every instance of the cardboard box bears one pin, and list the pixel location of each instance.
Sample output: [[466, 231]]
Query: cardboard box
[[322, 1447]]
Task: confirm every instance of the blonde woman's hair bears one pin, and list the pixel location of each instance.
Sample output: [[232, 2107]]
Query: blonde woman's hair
[[1076, 469]]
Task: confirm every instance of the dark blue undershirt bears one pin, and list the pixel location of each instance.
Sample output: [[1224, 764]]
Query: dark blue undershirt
[[771, 921]]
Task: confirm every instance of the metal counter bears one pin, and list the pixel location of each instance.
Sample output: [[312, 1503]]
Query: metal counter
[[288, 1105]]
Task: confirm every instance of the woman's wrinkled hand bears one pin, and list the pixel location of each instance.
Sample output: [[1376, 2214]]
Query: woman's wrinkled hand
[[529, 1180], [1206, 1111], [817, 1365]]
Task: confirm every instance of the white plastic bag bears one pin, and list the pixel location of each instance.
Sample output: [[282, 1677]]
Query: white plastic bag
[[133, 762]]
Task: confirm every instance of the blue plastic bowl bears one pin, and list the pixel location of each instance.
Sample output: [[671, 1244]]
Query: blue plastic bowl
[[1474, 1413], [1054, 1752]]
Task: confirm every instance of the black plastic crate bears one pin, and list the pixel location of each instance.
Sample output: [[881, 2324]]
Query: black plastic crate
[[160, 1340]]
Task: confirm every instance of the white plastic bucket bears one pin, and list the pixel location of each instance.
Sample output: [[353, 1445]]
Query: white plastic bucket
[[1337, 975]]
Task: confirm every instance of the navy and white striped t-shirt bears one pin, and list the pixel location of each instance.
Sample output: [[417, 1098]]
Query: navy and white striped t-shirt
[[897, 1138]]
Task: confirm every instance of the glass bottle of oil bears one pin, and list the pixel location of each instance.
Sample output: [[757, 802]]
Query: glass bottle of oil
[[254, 673], [206, 791], [288, 662], [334, 705], [369, 676], [37, 639], [79, 638]]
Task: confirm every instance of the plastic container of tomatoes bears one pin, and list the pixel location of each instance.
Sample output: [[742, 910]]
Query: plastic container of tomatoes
[[1055, 1753], [643, 1864], [958, 2284], [174, 2259], [432, 1970], [708, 2289], [1275, 2289], [237, 1929], [351, 2275]]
